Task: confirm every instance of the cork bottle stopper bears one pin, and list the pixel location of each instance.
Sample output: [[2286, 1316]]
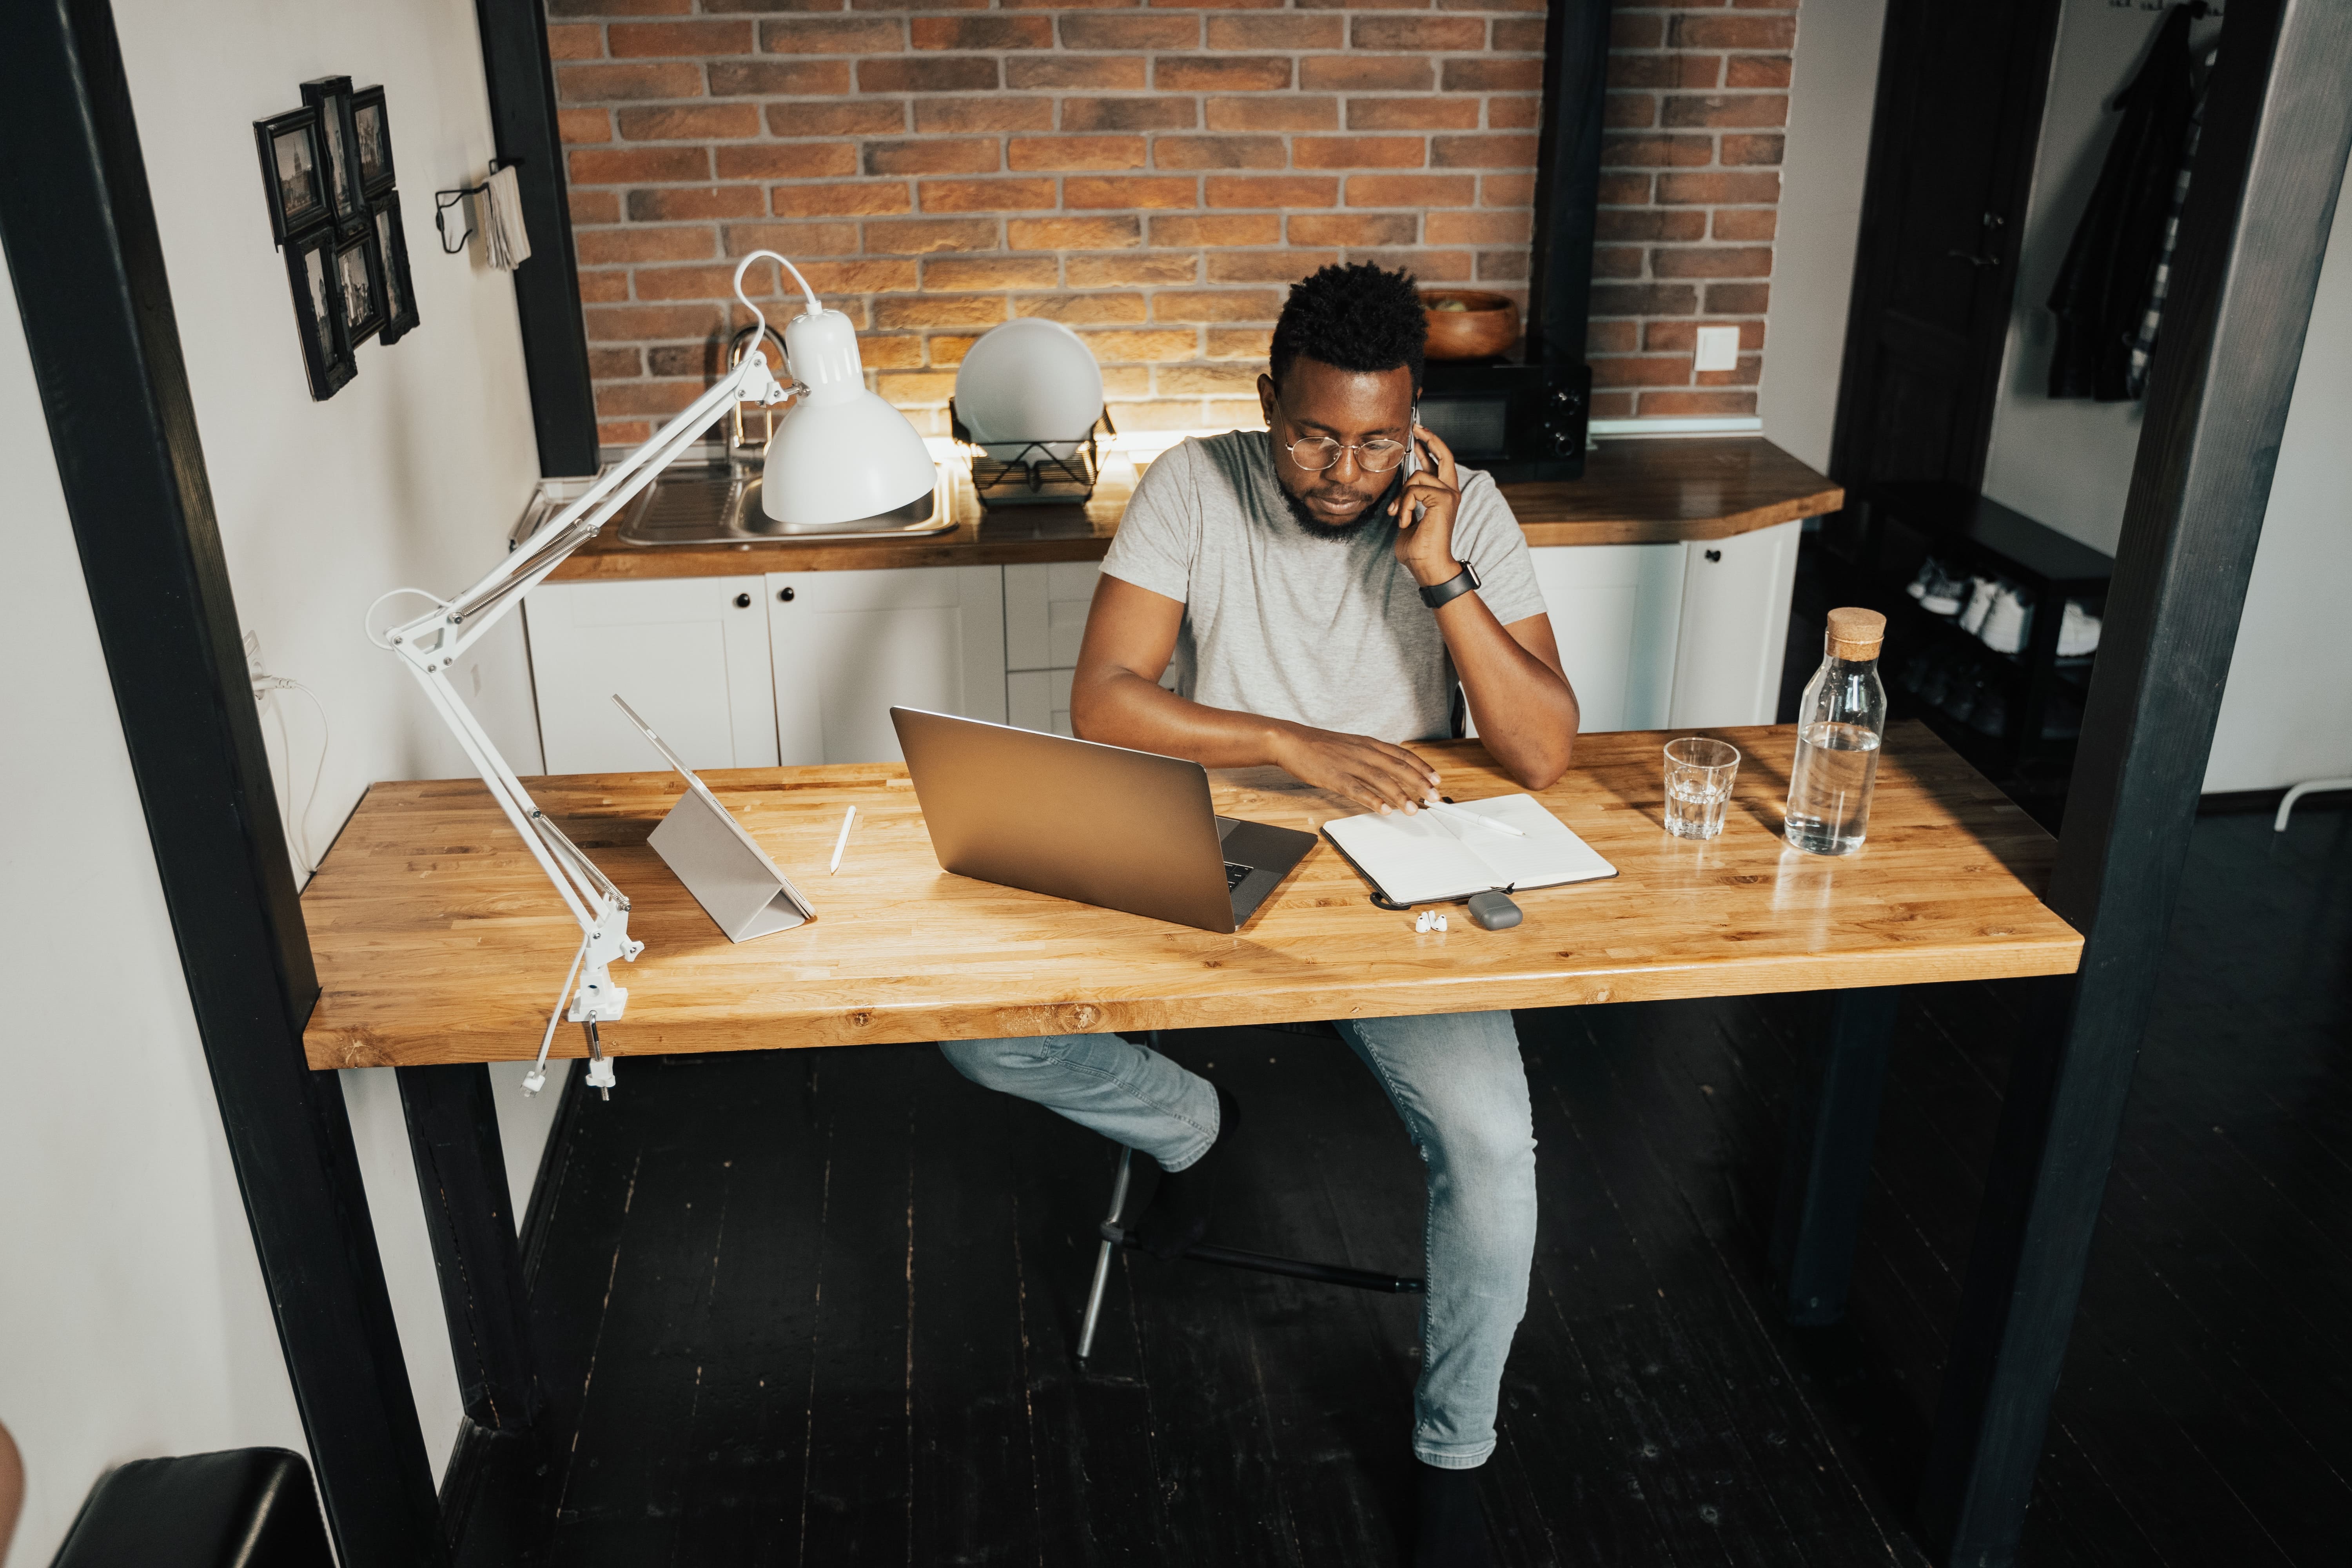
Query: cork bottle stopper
[[1857, 634]]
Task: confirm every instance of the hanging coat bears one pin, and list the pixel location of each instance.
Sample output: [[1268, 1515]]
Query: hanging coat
[[2102, 290]]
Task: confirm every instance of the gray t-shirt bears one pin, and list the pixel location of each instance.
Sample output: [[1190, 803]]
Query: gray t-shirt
[[1321, 631]]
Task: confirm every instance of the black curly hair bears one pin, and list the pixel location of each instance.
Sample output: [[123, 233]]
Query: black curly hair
[[1355, 317]]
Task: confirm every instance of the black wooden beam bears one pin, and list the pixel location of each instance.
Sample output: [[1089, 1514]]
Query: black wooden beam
[[2277, 129], [79, 226], [521, 81]]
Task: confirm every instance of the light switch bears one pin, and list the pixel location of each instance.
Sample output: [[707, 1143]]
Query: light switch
[[1719, 348]]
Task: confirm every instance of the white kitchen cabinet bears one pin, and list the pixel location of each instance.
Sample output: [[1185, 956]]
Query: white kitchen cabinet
[[1615, 609], [690, 654], [1046, 613], [1038, 699], [847, 647], [1734, 632], [1045, 621]]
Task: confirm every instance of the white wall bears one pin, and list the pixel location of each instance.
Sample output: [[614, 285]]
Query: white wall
[[1831, 94], [132, 1318], [2068, 462], [2287, 714], [145, 1331]]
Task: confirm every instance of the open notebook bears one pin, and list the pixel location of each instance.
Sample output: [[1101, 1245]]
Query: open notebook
[[1425, 857]]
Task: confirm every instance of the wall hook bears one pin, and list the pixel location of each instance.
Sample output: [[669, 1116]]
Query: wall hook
[[444, 200]]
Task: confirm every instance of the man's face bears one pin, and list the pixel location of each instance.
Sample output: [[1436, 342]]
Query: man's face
[[1350, 407]]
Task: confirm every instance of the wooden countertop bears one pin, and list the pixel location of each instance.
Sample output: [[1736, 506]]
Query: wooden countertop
[[438, 940], [1632, 492]]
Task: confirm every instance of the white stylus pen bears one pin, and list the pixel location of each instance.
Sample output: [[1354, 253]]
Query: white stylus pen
[[848, 818], [1459, 815]]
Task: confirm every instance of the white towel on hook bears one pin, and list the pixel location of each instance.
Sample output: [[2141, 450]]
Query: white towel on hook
[[502, 226]]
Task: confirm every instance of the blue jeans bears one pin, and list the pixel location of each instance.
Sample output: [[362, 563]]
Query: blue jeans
[[1455, 1079]]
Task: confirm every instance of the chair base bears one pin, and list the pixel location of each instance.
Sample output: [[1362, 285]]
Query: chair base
[[1115, 1236]]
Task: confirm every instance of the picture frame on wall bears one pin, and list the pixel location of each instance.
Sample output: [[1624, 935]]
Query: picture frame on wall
[[311, 274], [371, 141], [359, 277], [294, 172], [399, 291], [331, 97]]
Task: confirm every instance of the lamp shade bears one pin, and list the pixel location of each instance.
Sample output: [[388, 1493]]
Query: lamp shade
[[839, 453]]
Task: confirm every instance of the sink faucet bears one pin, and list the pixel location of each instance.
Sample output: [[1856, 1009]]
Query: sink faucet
[[747, 454]]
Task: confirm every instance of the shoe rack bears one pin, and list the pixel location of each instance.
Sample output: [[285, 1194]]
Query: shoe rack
[[2015, 716]]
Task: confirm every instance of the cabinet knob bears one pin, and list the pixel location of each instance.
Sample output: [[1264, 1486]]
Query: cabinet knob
[[1714, 555], [786, 594], [743, 601]]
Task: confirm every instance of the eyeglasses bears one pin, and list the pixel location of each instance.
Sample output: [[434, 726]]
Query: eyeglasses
[[1316, 453]]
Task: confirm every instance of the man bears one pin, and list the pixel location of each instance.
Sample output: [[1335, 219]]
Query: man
[[1312, 591]]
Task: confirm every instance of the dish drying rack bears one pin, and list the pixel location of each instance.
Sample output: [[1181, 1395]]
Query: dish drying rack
[[1034, 475]]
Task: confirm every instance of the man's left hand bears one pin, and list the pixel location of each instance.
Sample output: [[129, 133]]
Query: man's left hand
[[1426, 548]]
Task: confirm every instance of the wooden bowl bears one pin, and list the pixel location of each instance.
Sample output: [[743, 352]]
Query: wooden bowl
[[1482, 326]]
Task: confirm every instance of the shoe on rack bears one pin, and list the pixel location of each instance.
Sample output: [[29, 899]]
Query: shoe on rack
[[1991, 714], [1938, 591], [1936, 682], [2078, 633], [1980, 597], [2007, 622], [2062, 716], [1960, 695]]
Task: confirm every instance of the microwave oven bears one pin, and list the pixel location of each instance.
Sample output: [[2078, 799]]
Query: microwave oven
[[1518, 421]]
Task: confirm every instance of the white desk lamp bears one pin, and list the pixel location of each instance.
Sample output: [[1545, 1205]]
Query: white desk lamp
[[839, 453]]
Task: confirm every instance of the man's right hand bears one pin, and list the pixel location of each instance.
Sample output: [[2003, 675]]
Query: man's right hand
[[1374, 774]]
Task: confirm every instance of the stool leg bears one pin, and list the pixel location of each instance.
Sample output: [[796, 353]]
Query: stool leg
[[1102, 1260]]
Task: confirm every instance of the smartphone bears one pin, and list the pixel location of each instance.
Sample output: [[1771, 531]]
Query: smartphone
[[1413, 455]]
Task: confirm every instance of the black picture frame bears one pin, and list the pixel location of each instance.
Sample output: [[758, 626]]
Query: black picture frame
[[359, 280], [371, 141], [338, 147], [399, 292], [293, 173], [319, 313]]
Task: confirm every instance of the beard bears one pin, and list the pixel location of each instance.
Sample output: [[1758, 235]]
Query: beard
[[1375, 510]]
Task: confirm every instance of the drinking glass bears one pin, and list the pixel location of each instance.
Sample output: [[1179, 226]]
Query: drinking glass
[[1698, 785]]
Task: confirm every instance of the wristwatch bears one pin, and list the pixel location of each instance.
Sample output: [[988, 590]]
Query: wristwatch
[[1453, 587]]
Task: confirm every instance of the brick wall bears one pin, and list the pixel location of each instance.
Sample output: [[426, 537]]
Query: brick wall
[[1154, 177]]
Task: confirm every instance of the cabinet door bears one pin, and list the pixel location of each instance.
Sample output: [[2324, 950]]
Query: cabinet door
[[1613, 609], [1735, 628], [850, 646], [681, 650], [1046, 613]]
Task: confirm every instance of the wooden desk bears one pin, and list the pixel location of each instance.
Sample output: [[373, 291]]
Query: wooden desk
[[438, 940], [439, 946]]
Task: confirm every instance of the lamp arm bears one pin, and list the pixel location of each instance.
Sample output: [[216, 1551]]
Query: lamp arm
[[431, 642]]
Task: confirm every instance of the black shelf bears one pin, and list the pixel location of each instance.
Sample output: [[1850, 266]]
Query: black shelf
[[1876, 549]]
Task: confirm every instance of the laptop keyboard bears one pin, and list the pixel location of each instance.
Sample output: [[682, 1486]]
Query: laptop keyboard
[[1233, 875]]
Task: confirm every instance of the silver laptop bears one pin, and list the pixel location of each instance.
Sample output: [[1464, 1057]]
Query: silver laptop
[[1101, 825]]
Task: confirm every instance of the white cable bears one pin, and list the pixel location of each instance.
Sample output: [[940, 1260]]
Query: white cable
[[301, 833], [384, 641], [536, 1078], [745, 265]]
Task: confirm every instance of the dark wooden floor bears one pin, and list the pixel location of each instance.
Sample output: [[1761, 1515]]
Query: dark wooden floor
[[818, 1308]]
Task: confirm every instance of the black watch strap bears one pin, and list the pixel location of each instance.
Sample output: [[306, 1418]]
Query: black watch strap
[[1453, 587]]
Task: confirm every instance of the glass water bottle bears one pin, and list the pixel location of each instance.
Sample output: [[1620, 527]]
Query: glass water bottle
[[1838, 730]]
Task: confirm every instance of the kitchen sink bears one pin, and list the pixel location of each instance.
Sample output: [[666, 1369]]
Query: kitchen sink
[[712, 504]]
